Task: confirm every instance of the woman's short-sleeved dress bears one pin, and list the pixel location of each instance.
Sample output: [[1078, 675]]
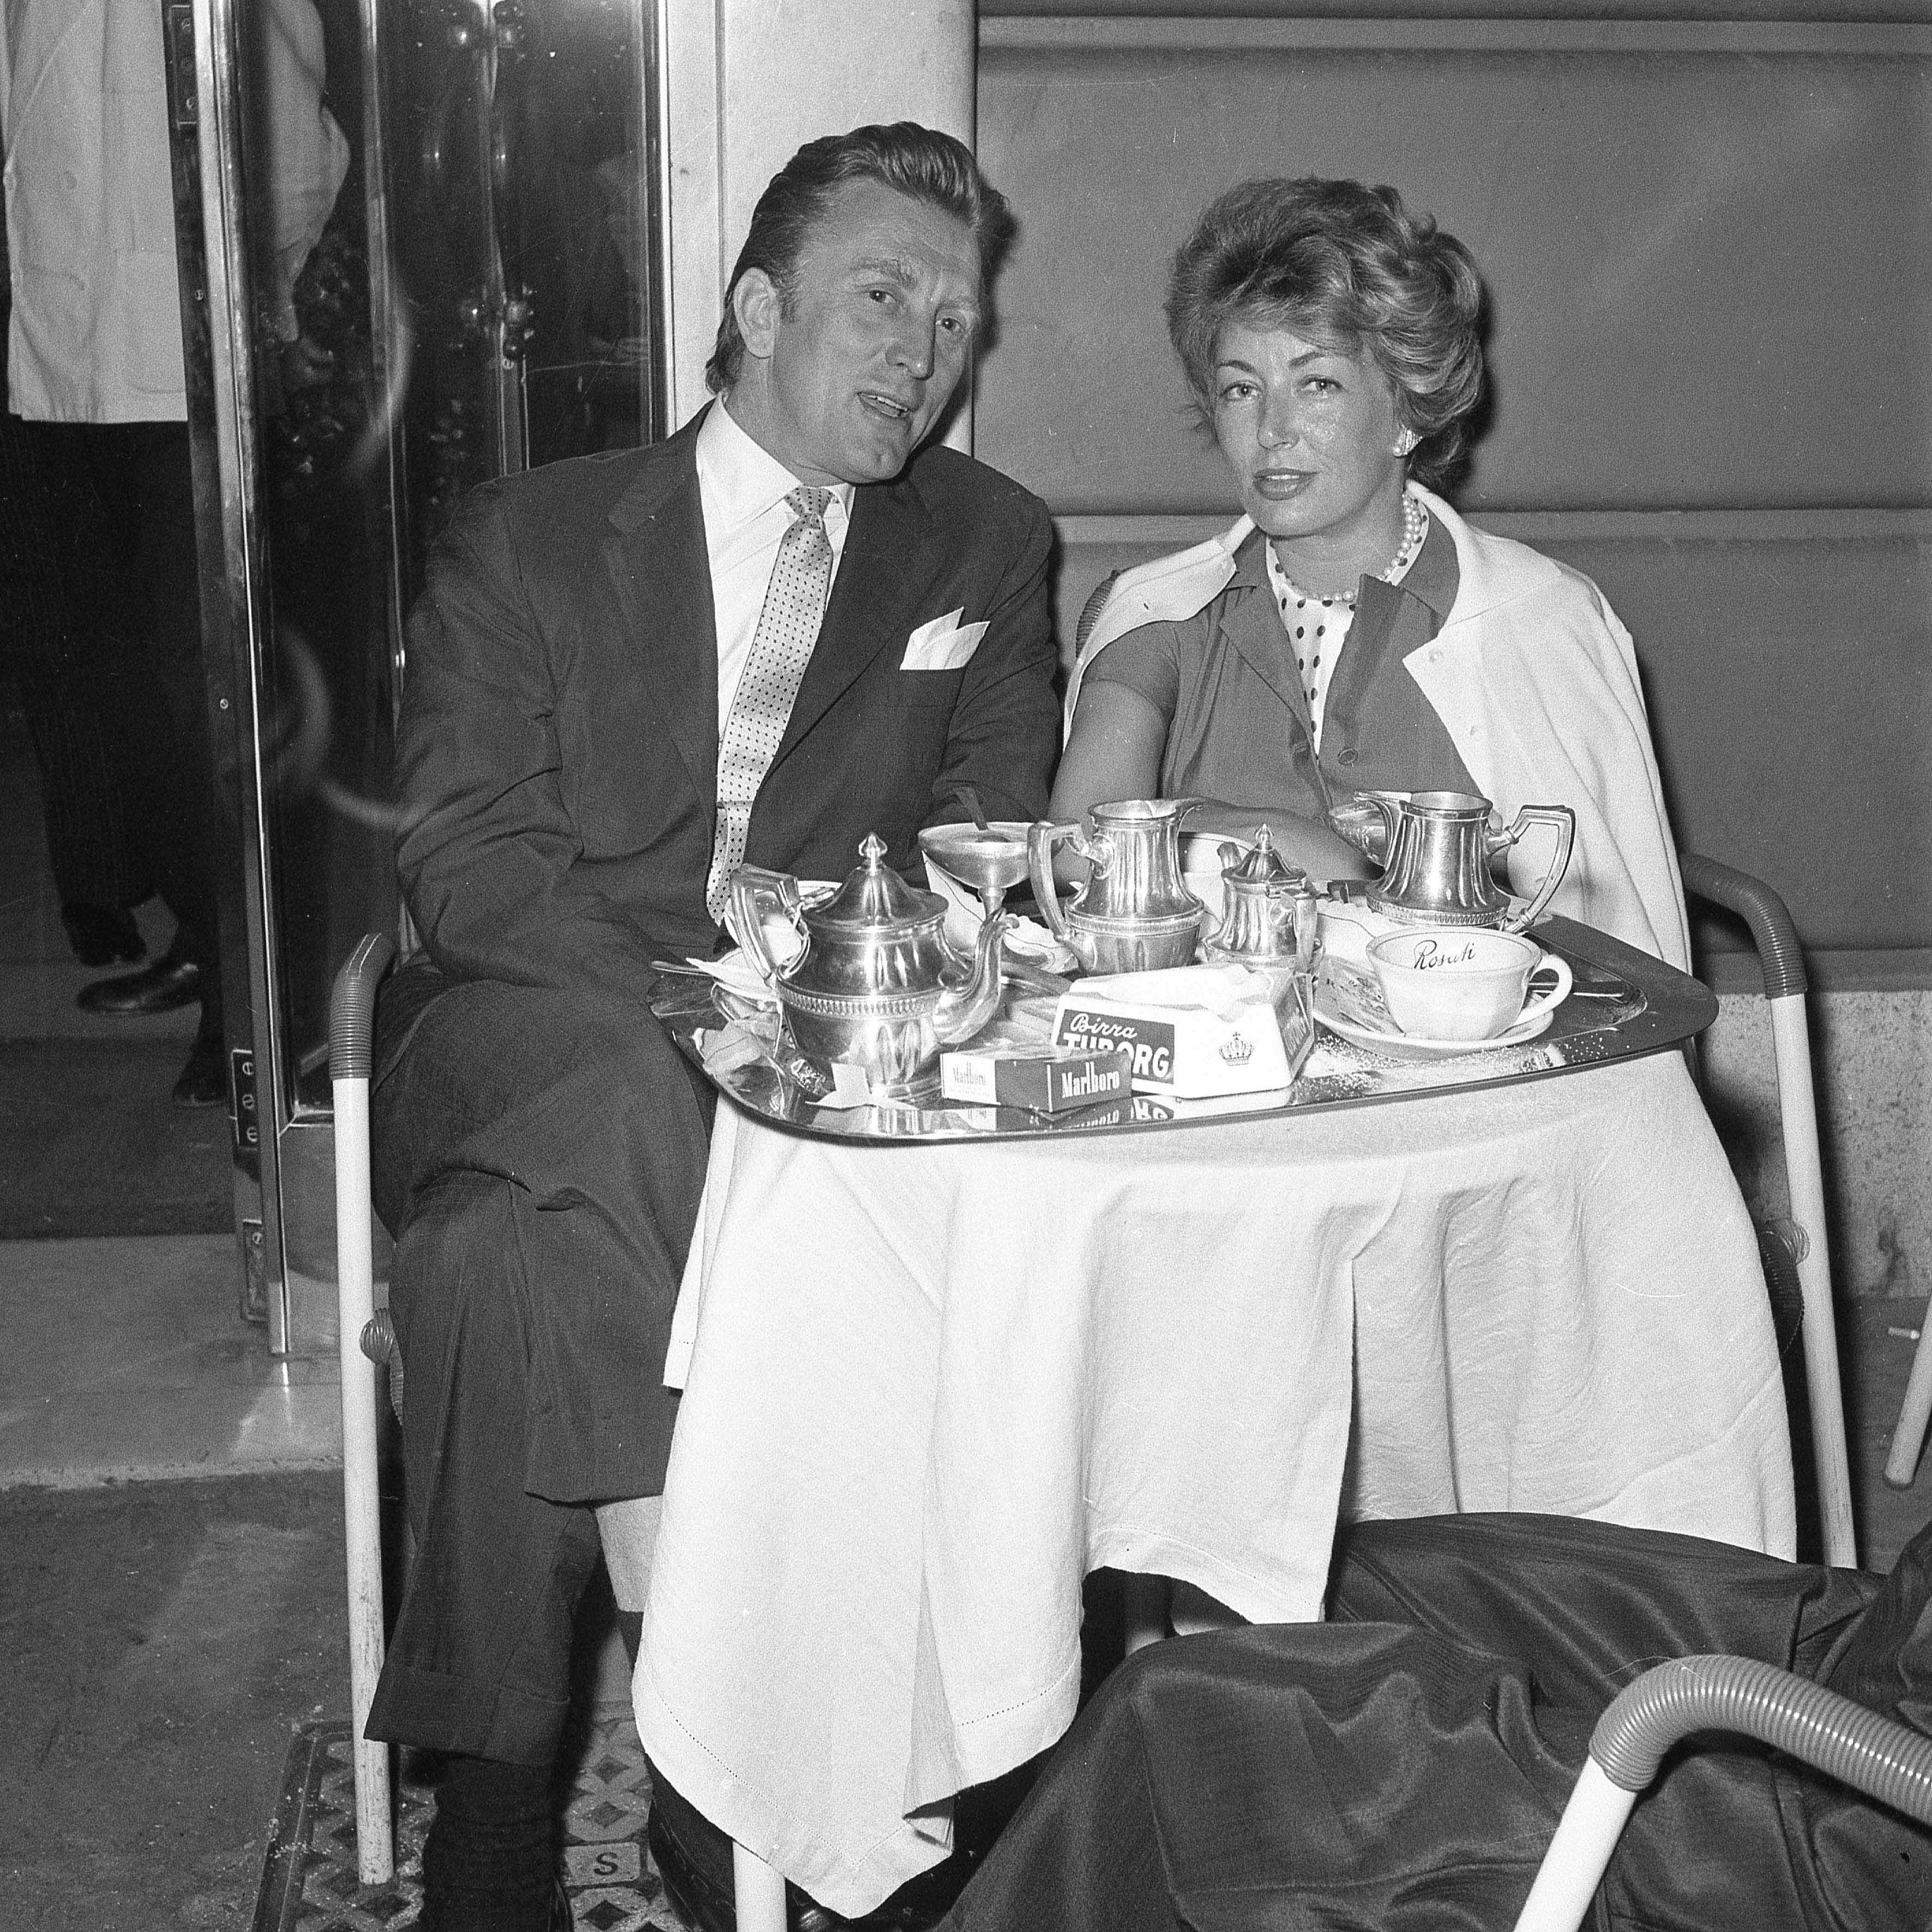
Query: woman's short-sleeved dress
[[1239, 728]]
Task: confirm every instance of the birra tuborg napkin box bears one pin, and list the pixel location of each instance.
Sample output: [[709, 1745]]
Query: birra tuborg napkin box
[[1043, 1079], [1193, 1031]]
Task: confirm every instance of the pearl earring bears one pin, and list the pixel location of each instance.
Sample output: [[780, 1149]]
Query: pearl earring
[[1409, 440]]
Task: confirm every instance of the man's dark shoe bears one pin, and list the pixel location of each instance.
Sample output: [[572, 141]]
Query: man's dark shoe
[[102, 935], [168, 983], [204, 1080], [696, 1896]]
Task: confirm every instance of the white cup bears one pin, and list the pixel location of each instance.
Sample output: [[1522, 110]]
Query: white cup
[[1462, 982]]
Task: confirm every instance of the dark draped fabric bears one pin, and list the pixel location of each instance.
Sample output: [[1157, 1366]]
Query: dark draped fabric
[[1404, 1765]]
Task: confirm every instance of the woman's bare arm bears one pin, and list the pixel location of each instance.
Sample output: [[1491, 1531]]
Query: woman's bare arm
[[1114, 751]]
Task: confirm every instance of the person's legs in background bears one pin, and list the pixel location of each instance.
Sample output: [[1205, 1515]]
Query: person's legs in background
[[128, 559], [98, 873]]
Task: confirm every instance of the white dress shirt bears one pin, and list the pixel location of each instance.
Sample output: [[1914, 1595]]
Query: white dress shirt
[[742, 489]]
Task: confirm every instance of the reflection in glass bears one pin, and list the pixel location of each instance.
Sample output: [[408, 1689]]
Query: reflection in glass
[[450, 215]]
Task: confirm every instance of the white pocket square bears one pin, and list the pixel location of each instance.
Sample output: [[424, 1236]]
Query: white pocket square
[[944, 644]]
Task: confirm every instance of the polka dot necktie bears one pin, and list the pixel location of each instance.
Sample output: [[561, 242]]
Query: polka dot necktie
[[761, 707]]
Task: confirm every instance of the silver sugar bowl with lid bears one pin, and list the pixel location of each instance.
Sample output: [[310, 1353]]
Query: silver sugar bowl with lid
[[1269, 908]]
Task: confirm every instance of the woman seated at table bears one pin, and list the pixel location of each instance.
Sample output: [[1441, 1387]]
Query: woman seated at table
[[1351, 632]]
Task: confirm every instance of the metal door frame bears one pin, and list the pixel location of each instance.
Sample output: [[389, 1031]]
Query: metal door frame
[[277, 1140]]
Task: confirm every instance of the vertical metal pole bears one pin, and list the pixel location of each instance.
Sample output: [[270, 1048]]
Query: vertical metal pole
[[244, 588], [1908, 1438], [758, 1894], [1791, 1045], [1573, 1867]]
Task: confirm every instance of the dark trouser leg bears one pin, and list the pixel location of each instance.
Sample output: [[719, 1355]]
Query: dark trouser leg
[[128, 562], [168, 619], [89, 837], [489, 1862], [479, 1660], [544, 1155]]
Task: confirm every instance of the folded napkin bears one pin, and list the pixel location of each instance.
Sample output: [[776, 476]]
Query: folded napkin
[[1347, 928], [736, 974]]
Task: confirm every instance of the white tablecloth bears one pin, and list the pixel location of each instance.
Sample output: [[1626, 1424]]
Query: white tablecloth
[[927, 1387]]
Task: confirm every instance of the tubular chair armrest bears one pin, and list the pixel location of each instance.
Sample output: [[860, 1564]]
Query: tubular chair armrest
[[351, 1007], [1885, 1760], [1781, 960], [1773, 930]]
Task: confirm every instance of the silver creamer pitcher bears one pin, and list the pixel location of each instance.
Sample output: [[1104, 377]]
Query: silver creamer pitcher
[[1434, 849], [1135, 913]]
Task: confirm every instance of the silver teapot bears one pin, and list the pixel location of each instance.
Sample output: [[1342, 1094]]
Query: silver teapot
[[1135, 913], [1434, 849], [873, 984], [1269, 914]]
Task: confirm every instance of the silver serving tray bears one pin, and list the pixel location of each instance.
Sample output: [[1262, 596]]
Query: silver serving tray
[[1624, 1004]]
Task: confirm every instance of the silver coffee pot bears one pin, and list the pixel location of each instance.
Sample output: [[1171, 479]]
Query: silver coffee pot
[[1135, 913], [1434, 849], [873, 984]]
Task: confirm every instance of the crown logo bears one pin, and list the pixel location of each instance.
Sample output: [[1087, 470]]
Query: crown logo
[[1236, 1051]]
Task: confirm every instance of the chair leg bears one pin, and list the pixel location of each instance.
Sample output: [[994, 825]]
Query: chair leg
[[356, 1307], [1573, 1866], [1145, 1607], [758, 1892], [1791, 1043], [1909, 1438]]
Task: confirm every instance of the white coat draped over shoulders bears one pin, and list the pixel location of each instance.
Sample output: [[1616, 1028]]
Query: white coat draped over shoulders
[[1536, 681]]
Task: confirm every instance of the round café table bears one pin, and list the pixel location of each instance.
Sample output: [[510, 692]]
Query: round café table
[[928, 1385]]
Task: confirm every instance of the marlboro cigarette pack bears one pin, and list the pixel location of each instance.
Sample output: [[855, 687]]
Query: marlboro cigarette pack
[[1043, 1079]]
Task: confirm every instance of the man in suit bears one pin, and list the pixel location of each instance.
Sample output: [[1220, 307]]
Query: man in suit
[[789, 626]]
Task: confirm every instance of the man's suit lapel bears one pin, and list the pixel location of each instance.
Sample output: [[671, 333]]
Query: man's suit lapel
[[654, 551], [871, 599]]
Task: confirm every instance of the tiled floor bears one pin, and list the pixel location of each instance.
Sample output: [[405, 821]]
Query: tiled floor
[[312, 1884]]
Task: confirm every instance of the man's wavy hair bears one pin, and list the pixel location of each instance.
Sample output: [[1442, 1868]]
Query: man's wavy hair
[[1349, 268], [916, 161]]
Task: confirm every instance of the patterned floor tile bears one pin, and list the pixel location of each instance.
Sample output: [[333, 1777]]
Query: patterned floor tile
[[309, 1882]]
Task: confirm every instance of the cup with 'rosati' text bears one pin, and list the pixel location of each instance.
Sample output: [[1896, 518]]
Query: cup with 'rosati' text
[[1463, 983]]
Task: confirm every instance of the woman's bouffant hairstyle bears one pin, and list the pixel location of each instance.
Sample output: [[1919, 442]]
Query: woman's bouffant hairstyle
[[1350, 267], [916, 161]]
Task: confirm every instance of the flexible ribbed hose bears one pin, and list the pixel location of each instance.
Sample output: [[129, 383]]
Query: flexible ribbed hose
[[351, 1007], [1885, 1760], [1770, 920]]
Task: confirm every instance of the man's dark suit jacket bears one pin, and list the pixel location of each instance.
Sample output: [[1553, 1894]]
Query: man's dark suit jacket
[[560, 735]]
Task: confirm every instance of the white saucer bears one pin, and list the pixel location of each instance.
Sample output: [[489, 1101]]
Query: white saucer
[[1387, 1038]]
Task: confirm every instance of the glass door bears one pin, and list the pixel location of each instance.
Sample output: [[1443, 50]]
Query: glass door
[[420, 243]]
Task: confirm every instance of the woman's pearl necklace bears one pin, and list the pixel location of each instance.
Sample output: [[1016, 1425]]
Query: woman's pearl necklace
[[1414, 528]]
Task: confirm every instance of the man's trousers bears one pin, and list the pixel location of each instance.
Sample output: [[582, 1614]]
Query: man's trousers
[[539, 1155]]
